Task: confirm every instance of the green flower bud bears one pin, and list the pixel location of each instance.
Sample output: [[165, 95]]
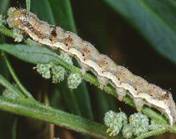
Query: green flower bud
[[139, 122], [109, 117], [18, 35], [58, 73], [122, 117], [74, 80], [127, 131], [114, 122], [44, 70]]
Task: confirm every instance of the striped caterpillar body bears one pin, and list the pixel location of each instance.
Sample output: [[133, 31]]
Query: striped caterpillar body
[[125, 82]]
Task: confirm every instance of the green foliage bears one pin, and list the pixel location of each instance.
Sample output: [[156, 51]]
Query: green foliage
[[154, 20], [4, 5], [39, 54], [65, 17]]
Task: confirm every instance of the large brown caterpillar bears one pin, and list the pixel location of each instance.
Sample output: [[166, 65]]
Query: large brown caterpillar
[[101, 65]]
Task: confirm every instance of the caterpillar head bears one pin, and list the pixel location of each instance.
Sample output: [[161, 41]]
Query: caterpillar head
[[28, 22], [15, 17]]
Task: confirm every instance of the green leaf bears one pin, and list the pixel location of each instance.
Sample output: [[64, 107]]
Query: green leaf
[[155, 19], [6, 119], [31, 54], [41, 112], [4, 70], [3, 5], [28, 5], [56, 99], [43, 10], [3, 8], [63, 14], [14, 128], [10, 87], [34, 54]]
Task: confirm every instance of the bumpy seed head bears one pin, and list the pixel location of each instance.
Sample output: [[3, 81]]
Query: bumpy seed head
[[139, 122], [44, 70], [114, 122], [17, 35], [127, 131], [74, 80], [58, 73], [109, 117]]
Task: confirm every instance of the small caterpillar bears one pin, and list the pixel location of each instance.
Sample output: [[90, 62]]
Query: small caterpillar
[[101, 65]]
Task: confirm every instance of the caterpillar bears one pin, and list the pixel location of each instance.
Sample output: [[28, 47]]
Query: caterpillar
[[104, 68]]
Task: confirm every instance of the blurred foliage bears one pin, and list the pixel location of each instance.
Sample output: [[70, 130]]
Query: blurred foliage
[[154, 19], [139, 34]]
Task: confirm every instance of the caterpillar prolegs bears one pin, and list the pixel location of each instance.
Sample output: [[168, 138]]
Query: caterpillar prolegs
[[104, 68]]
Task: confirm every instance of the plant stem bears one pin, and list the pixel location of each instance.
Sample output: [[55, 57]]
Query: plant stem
[[156, 132], [10, 87], [6, 31], [28, 5], [45, 113], [12, 72], [14, 128], [9, 33], [161, 130]]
